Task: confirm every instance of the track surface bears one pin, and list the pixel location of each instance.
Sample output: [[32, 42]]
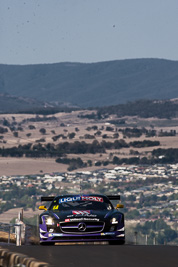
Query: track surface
[[102, 255]]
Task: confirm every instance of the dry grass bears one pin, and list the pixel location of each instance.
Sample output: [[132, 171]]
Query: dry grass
[[5, 236], [23, 166], [7, 216]]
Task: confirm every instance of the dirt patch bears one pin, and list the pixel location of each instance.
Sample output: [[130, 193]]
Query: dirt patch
[[25, 166], [7, 216]]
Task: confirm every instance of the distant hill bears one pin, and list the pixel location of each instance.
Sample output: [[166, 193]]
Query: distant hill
[[92, 84], [10, 104], [18, 104]]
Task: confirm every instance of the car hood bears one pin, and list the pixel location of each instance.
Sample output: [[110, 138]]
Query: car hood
[[78, 214]]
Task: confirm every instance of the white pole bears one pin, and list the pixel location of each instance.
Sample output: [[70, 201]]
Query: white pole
[[154, 241], [18, 234]]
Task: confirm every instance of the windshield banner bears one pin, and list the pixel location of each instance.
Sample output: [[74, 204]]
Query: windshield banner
[[81, 198]]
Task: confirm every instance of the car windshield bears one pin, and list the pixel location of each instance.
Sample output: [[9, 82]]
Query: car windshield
[[81, 203]]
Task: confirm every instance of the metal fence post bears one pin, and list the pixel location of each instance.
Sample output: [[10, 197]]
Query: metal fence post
[[135, 237], [9, 234]]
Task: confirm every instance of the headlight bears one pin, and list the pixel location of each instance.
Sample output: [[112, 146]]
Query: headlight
[[114, 221], [49, 221]]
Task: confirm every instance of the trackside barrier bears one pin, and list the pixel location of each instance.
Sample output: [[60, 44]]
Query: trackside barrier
[[7, 229], [17, 229], [20, 234], [11, 259]]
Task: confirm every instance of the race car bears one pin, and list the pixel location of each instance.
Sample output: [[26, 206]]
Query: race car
[[81, 218]]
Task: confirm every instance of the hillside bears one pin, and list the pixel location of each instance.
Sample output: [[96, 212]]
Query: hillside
[[10, 104], [17, 104], [94, 84]]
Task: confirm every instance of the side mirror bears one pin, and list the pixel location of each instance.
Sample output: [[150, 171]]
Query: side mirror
[[42, 208], [119, 206]]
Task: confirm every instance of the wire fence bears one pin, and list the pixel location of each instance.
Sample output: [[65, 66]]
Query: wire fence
[[30, 235], [27, 233]]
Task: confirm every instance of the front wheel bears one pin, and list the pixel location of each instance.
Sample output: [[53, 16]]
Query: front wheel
[[47, 243]]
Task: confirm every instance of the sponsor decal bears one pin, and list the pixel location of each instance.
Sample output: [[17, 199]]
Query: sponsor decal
[[51, 230], [108, 233], [51, 235], [83, 219], [79, 198], [81, 212], [67, 220], [92, 198], [69, 199]]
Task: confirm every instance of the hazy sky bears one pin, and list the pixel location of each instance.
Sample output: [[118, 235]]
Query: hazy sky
[[49, 31]]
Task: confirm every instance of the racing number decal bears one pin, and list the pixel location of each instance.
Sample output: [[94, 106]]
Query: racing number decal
[[55, 207]]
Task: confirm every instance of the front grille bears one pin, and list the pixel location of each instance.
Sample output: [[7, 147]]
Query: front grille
[[82, 227]]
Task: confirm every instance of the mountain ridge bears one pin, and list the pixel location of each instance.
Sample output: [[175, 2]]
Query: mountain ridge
[[92, 84]]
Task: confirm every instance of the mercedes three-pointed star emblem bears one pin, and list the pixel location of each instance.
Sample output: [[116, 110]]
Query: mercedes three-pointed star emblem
[[82, 227]]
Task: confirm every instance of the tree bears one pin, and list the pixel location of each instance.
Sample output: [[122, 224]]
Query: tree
[[3, 130], [131, 198], [160, 238], [115, 135], [110, 129], [98, 163], [89, 162], [170, 234], [142, 199], [42, 131], [71, 135], [133, 214], [28, 134], [163, 198], [15, 134], [98, 133], [31, 127]]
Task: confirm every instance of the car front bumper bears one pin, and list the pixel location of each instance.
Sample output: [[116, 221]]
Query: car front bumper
[[62, 237]]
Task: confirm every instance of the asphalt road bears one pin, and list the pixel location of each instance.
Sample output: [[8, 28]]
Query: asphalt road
[[102, 255]]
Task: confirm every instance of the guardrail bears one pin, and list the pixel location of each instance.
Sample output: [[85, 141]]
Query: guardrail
[[13, 233], [11, 259]]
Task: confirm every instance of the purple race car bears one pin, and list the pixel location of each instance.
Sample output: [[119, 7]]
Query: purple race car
[[78, 218]]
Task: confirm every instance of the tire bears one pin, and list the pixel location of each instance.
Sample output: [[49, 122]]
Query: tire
[[47, 243]]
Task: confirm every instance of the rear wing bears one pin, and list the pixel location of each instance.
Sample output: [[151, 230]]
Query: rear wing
[[47, 198], [114, 197]]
